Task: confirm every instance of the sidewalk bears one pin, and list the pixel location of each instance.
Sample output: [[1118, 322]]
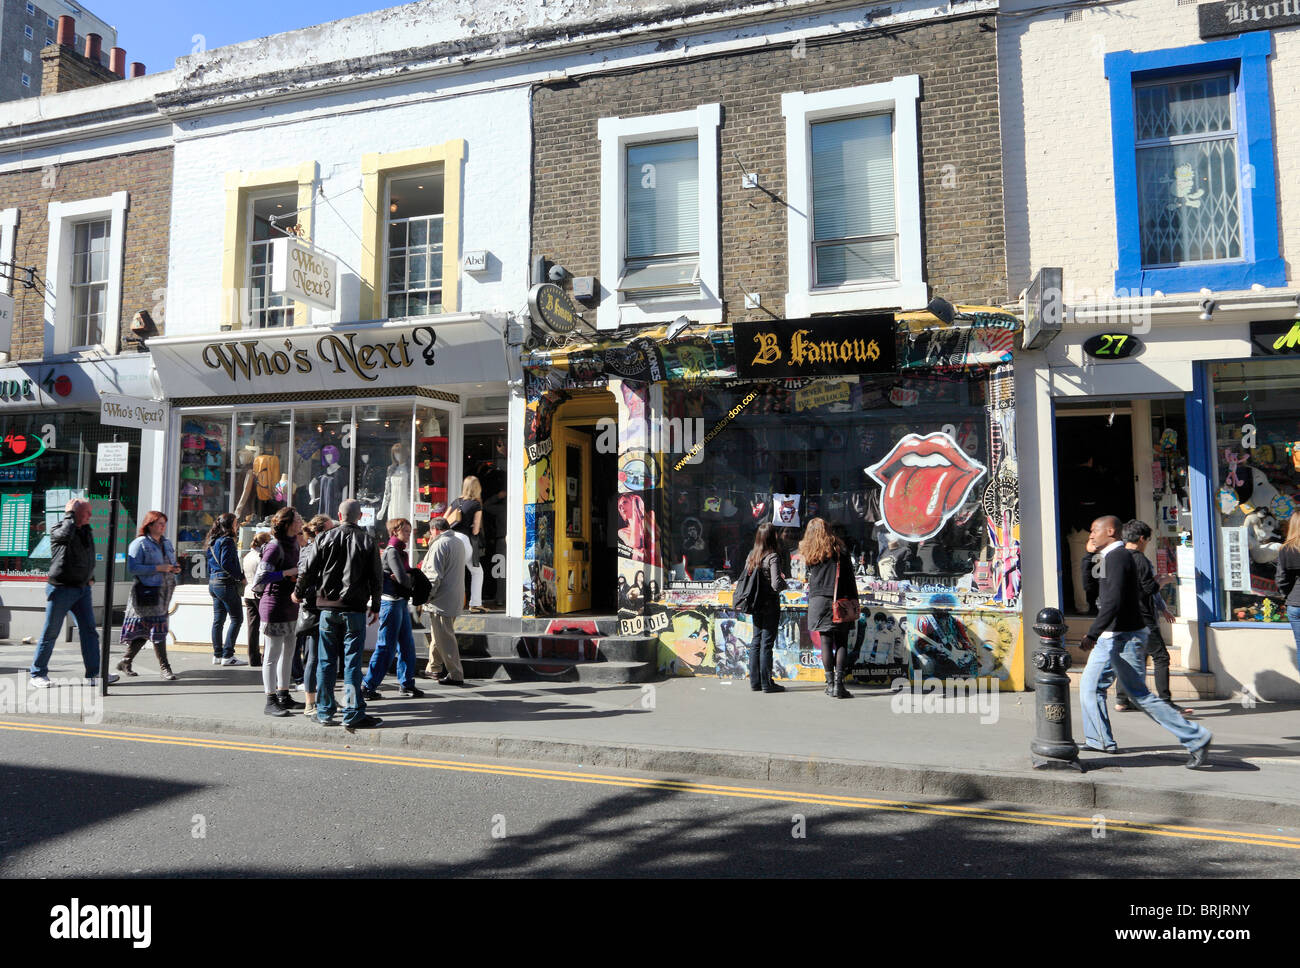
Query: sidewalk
[[719, 728]]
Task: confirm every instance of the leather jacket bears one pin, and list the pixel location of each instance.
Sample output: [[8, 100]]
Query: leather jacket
[[73, 563], [344, 573]]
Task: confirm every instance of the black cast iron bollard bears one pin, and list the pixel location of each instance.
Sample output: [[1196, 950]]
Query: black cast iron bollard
[[1053, 744]]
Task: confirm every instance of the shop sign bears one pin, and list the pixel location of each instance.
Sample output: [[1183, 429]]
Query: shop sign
[[112, 458], [6, 323], [1112, 346], [1223, 18], [1275, 337], [11, 390], [18, 448], [1043, 308], [120, 411], [831, 346], [1235, 542], [550, 307], [304, 274]]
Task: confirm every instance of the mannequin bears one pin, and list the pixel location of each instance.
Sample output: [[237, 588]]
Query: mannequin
[[252, 461], [369, 489], [328, 490], [397, 486]]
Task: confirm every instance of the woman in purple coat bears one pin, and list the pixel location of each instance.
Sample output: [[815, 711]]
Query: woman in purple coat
[[278, 611]]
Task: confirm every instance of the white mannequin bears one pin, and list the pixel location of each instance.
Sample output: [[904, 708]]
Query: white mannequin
[[397, 486]]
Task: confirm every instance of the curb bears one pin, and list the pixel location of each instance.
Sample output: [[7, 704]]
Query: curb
[[1074, 792]]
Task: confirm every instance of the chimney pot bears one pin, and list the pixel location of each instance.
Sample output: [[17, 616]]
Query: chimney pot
[[117, 61], [67, 31], [94, 47], [137, 69]]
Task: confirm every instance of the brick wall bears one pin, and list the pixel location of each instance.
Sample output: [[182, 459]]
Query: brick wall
[[146, 176], [962, 232], [63, 69]]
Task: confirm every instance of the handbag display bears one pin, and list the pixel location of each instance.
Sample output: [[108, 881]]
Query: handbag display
[[844, 609]]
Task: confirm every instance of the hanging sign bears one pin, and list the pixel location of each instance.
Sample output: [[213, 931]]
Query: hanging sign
[[119, 411], [823, 346], [550, 307], [1275, 337], [6, 324], [1112, 346], [304, 274]]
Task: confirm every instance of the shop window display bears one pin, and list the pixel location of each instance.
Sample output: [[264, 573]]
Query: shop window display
[[899, 469], [1257, 445], [322, 444]]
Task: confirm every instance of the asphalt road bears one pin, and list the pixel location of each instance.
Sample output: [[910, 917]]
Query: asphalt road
[[122, 802]]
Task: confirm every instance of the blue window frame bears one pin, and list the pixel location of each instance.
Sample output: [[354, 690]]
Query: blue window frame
[[1219, 160]]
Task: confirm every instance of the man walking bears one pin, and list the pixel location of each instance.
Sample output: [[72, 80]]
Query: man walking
[[344, 577], [444, 566], [1120, 639], [67, 589], [1136, 535]]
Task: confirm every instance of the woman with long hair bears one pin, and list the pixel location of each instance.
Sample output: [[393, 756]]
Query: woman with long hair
[[765, 557], [309, 616], [826, 558], [225, 575], [253, 597], [278, 611], [1288, 578], [151, 561], [468, 527]]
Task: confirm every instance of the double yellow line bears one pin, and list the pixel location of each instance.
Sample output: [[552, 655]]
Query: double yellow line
[[676, 786]]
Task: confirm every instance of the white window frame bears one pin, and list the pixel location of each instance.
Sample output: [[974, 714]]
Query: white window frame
[[897, 97], [289, 307], [8, 239], [27, 56], [433, 171], [49, 22], [616, 135], [63, 217], [28, 32], [31, 10]]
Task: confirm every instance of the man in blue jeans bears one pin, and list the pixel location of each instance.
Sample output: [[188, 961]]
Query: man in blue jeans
[[345, 577], [1119, 636], [72, 571]]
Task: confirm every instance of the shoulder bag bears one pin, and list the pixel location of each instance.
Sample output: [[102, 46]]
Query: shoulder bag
[[844, 610]]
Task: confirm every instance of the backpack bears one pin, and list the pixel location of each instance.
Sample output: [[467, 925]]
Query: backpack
[[745, 597], [421, 587]]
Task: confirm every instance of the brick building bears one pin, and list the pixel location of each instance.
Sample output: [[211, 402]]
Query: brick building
[[85, 225], [766, 223]]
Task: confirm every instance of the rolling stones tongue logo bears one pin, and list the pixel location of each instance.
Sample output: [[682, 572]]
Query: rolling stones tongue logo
[[924, 481]]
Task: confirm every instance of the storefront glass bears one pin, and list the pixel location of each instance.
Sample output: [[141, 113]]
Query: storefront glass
[[1257, 448], [898, 468], [34, 490]]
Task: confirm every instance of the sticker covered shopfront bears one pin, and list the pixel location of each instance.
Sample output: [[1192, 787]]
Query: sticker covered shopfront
[[651, 463]]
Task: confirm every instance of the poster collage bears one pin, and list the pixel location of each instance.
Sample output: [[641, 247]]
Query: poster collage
[[936, 626]]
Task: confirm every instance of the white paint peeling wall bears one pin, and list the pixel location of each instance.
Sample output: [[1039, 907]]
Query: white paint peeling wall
[[1056, 152], [495, 126]]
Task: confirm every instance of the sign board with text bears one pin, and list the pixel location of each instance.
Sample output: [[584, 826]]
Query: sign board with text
[[119, 411], [305, 274], [1223, 18], [822, 346], [112, 458]]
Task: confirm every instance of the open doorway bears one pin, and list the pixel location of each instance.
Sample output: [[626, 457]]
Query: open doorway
[[485, 458], [1094, 473], [586, 496]]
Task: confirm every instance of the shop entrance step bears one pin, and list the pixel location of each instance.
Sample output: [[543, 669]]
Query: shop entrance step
[[567, 656]]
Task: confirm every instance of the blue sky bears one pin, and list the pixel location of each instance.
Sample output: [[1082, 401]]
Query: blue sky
[[156, 33]]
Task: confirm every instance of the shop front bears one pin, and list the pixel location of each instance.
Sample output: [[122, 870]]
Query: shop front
[[310, 417], [51, 431], [651, 463], [1196, 431]]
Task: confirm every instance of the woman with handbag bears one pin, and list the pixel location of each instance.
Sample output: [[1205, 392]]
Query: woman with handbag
[[466, 519], [151, 561], [766, 558], [225, 576], [278, 611], [832, 600]]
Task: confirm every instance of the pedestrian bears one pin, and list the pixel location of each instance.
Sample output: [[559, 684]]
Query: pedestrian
[[1119, 637], [253, 597], [309, 617], [151, 561], [830, 580], [224, 578], [1288, 578], [345, 579], [278, 611], [67, 589], [1136, 535], [395, 632], [765, 558], [444, 566], [465, 515]]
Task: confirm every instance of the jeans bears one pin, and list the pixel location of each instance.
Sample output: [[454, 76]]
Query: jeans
[[59, 601], [309, 665], [394, 633], [226, 603], [1293, 616], [343, 632], [760, 650], [1122, 656]]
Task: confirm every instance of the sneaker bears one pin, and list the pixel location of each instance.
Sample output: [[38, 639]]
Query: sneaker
[[232, 661], [410, 692], [216, 660], [328, 721], [310, 710], [371, 695], [363, 722], [40, 682]]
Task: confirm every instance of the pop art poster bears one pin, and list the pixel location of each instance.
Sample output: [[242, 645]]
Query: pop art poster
[[637, 537], [686, 645], [732, 634], [924, 480], [785, 510], [952, 645], [877, 649], [538, 480]]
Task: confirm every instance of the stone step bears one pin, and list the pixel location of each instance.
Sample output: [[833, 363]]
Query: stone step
[[1183, 683], [551, 669]]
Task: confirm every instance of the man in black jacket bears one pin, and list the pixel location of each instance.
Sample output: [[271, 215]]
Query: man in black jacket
[[1119, 635], [72, 572], [345, 577]]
